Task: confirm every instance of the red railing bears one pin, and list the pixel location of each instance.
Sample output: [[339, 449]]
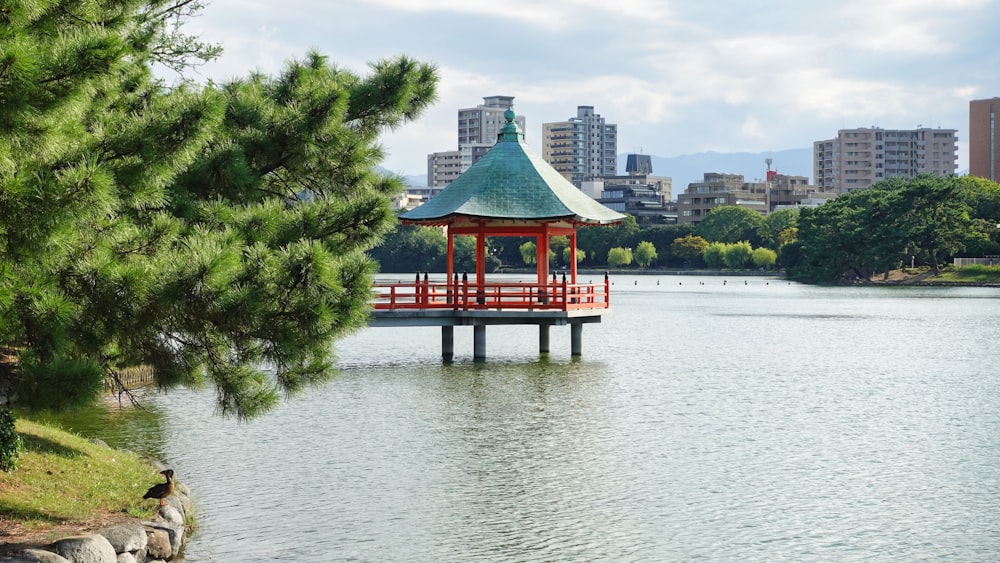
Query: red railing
[[464, 295]]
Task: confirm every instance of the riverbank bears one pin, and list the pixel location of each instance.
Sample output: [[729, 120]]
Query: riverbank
[[948, 277], [67, 486]]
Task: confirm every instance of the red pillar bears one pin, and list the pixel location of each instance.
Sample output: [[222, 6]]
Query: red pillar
[[481, 257], [543, 255]]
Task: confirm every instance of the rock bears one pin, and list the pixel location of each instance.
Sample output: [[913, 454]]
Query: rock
[[176, 503], [126, 558], [186, 504], [36, 556], [170, 515], [93, 548], [125, 538], [158, 544], [175, 534], [99, 442]]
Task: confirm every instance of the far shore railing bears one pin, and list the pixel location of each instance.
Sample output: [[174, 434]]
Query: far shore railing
[[464, 295]]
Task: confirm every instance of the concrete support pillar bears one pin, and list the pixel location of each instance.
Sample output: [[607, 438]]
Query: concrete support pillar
[[576, 339], [447, 343], [543, 339], [479, 343]]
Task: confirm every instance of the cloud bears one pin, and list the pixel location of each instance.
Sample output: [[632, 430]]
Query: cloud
[[907, 26], [552, 14], [677, 77]]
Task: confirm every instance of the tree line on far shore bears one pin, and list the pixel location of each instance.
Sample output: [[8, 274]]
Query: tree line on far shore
[[731, 237], [926, 220]]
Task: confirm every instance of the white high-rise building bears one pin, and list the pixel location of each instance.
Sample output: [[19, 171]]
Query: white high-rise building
[[858, 158], [582, 147]]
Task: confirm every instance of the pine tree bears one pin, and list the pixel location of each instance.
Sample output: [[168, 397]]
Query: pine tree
[[214, 232]]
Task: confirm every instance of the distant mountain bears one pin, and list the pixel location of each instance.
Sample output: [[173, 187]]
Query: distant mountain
[[690, 168], [420, 180]]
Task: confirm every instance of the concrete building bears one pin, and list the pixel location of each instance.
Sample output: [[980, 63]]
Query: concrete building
[[639, 193], [984, 138], [443, 167], [477, 129], [414, 197], [857, 158], [784, 191], [814, 199], [720, 189], [583, 147]]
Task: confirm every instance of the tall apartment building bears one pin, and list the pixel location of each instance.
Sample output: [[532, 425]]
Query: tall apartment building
[[858, 158], [582, 147], [478, 128], [984, 138]]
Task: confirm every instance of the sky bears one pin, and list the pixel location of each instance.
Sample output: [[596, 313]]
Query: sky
[[677, 77]]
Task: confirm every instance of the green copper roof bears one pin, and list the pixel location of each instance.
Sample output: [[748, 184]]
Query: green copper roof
[[509, 182]]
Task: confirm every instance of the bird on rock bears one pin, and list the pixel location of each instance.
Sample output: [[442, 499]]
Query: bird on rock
[[162, 490]]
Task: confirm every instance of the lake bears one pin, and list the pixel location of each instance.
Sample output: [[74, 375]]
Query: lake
[[714, 418]]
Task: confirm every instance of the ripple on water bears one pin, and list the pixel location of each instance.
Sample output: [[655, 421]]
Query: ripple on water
[[756, 423]]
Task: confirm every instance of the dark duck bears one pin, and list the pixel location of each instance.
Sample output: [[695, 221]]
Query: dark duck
[[162, 490]]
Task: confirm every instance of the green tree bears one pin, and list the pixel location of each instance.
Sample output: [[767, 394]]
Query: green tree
[[773, 225], [737, 254], [764, 258], [557, 245], [868, 231], [788, 236], [205, 231], [661, 236], [507, 249], [412, 248], [731, 223], [689, 248], [529, 253], [645, 254], [597, 241], [713, 255], [580, 255], [936, 217], [983, 197], [619, 257], [465, 255]]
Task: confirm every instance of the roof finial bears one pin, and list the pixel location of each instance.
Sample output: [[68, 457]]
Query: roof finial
[[510, 131]]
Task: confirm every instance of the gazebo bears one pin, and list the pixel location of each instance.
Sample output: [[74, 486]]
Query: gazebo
[[509, 192]]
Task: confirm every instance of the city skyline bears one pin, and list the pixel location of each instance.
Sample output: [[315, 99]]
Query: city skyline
[[677, 77]]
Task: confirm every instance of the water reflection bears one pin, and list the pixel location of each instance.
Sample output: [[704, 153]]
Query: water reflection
[[755, 422], [118, 423]]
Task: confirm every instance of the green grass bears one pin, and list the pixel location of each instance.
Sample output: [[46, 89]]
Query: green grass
[[62, 478], [976, 273]]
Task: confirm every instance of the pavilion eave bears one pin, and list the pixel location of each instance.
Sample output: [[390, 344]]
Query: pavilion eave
[[459, 219]]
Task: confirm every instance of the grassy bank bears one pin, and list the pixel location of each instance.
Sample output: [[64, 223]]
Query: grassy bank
[[976, 274], [948, 276], [65, 484]]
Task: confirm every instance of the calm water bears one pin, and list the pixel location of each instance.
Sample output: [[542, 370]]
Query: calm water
[[768, 421]]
